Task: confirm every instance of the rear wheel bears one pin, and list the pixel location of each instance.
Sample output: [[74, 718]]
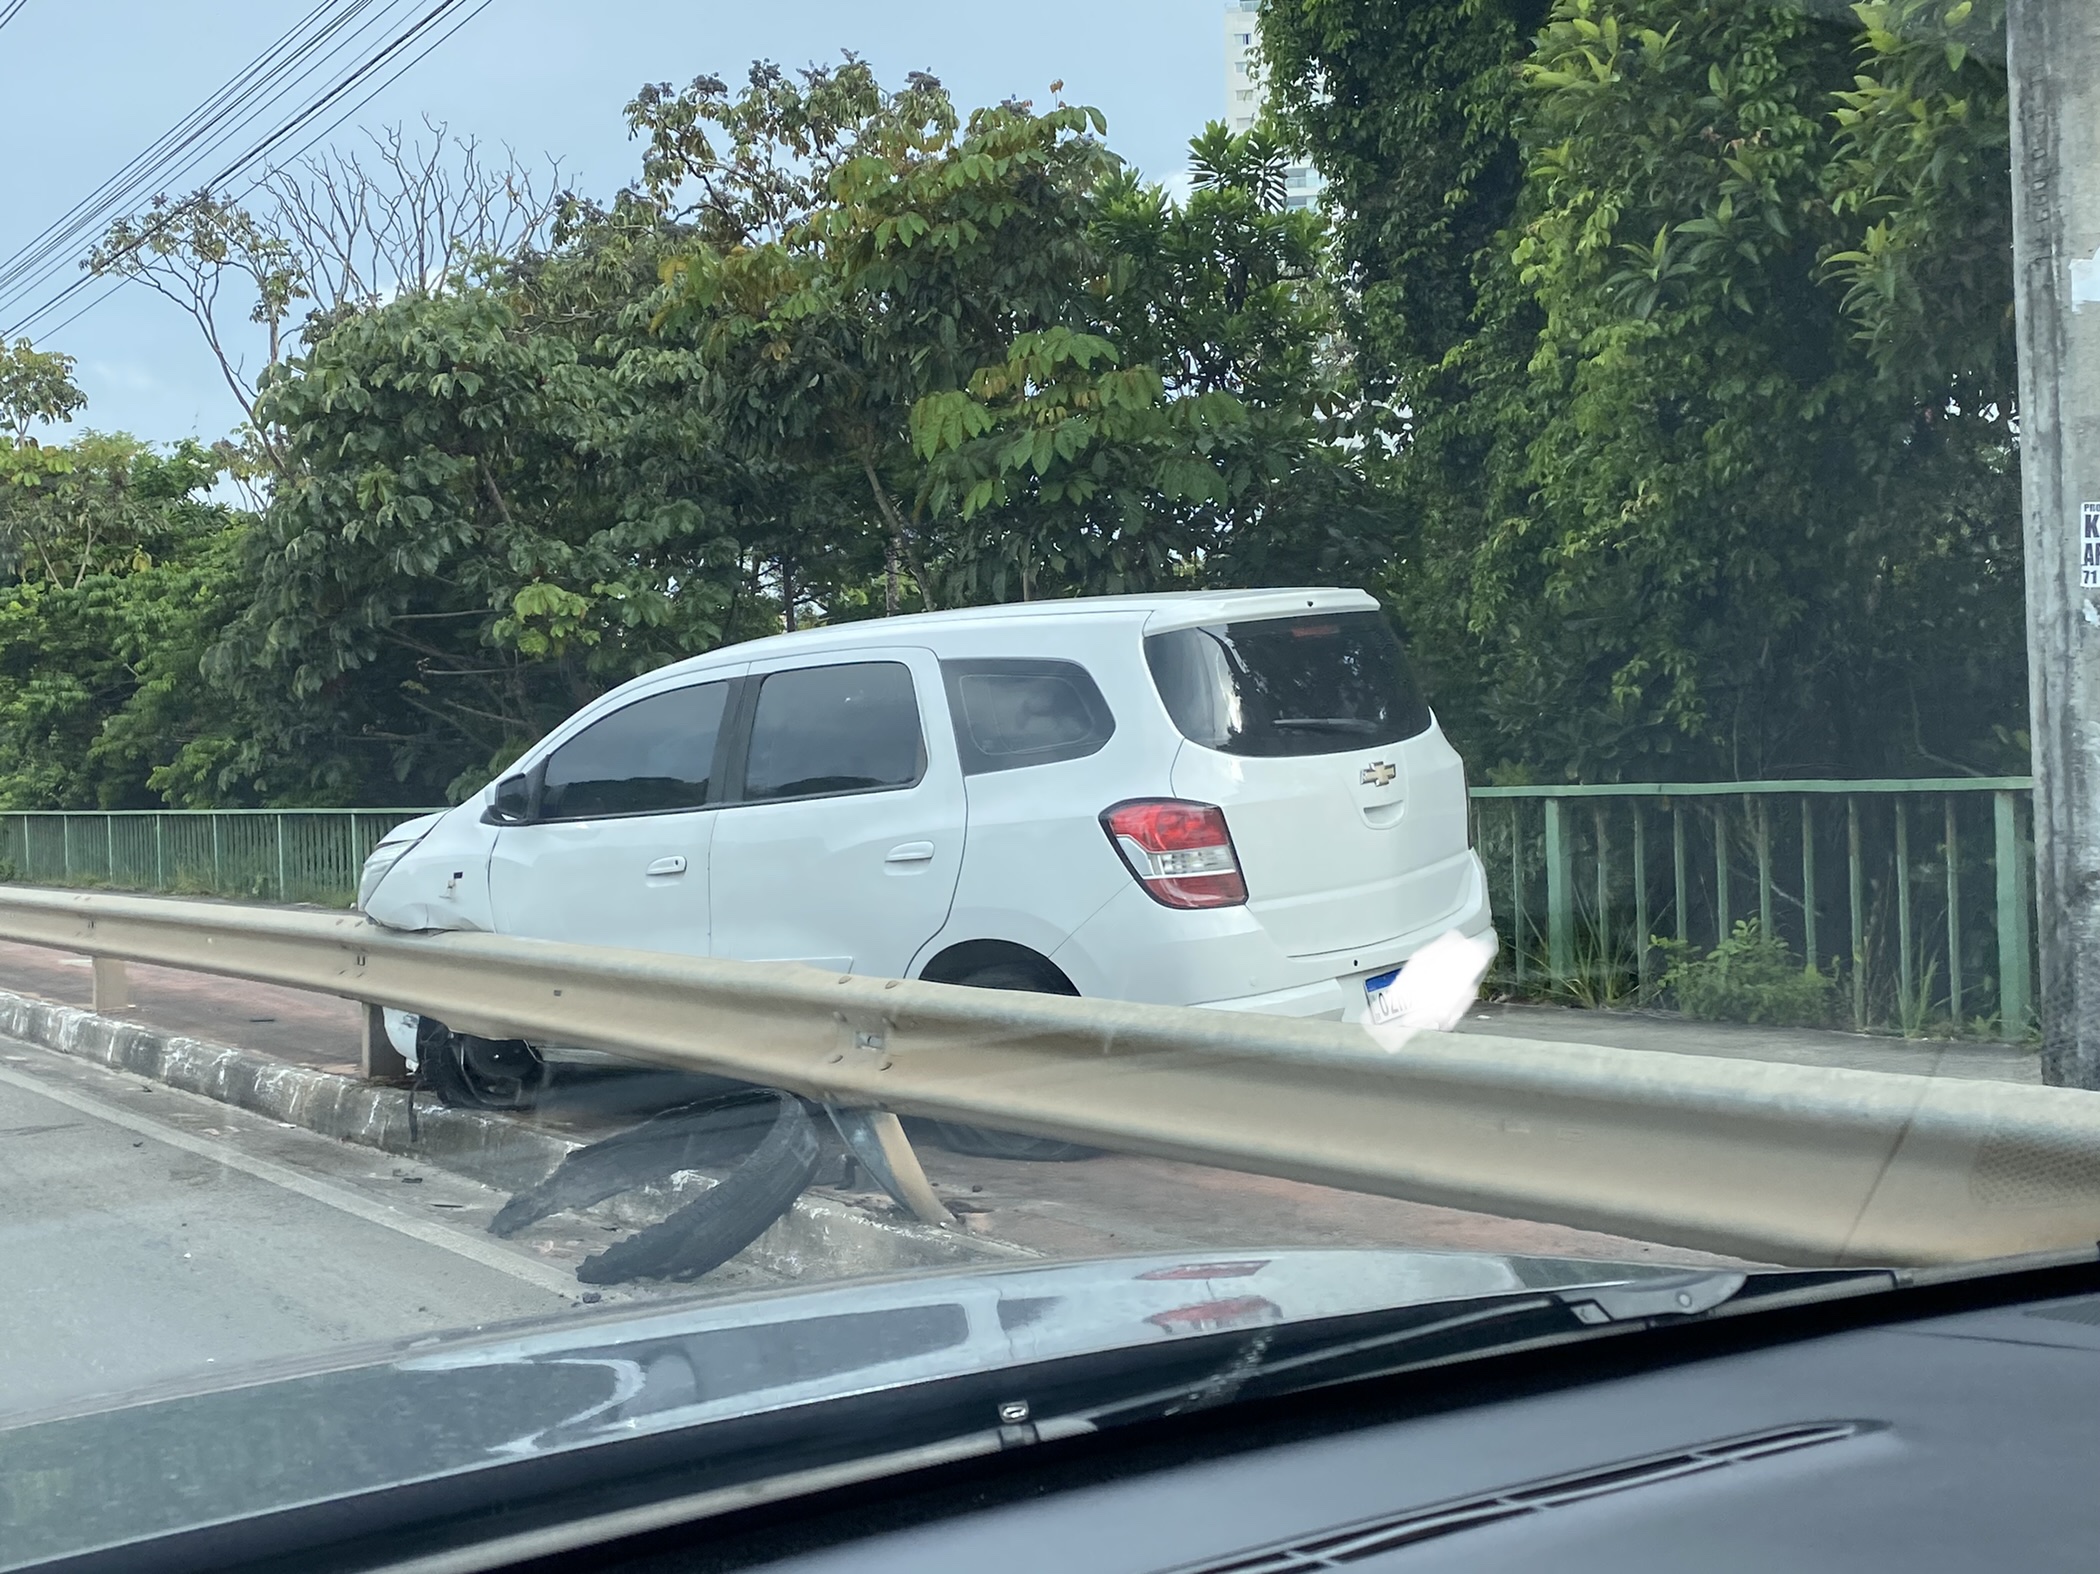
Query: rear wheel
[[468, 1072], [985, 1142]]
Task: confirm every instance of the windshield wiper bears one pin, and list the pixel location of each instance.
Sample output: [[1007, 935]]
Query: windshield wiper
[[1326, 723], [1284, 1359]]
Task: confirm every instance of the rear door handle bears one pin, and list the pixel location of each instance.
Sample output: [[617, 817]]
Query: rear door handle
[[675, 864], [909, 853]]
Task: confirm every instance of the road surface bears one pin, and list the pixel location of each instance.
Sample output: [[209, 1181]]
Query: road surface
[[151, 1234]]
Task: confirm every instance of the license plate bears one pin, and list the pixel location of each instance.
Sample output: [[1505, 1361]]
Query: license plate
[[1378, 1001]]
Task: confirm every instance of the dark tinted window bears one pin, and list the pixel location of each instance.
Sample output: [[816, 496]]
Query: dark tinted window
[[1321, 683], [1014, 713], [850, 728], [648, 757]]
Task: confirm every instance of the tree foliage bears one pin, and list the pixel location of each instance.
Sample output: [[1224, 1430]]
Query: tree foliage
[[1688, 494]]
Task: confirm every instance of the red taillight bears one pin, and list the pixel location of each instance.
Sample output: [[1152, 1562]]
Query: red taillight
[[1181, 852]]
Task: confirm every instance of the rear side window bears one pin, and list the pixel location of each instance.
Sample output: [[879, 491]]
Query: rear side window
[[1319, 683], [650, 757], [849, 728], [1012, 713]]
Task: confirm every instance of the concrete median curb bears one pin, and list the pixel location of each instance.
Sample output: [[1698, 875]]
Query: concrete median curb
[[818, 1238]]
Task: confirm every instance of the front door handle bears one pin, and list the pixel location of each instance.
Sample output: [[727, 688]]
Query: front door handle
[[910, 853], [675, 864]]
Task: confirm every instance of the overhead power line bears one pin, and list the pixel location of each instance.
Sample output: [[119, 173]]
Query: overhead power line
[[331, 63], [9, 10]]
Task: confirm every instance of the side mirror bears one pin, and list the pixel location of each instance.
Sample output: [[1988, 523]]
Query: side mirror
[[512, 803]]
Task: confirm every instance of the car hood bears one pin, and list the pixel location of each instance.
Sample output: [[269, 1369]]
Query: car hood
[[252, 1442]]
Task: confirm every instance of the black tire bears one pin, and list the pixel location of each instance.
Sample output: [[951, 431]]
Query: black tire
[[467, 1072], [986, 1142], [711, 1229], [700, 1134]]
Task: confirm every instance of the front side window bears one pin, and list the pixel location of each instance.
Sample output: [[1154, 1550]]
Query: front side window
[[1011, 713], [1319, 683], [650, 757], [849, 728]]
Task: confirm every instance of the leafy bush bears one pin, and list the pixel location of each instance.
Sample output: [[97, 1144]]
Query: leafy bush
[[1749, 977]]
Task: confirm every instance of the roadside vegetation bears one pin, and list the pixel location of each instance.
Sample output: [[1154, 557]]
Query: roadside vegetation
[[1651, 358]]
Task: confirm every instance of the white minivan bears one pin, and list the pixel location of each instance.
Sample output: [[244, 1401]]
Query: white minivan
[[1234, 799]]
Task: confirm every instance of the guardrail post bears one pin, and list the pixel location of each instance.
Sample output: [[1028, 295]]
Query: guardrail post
[[2015, 997], [1560, 898], [377, 1059], [111, 984]]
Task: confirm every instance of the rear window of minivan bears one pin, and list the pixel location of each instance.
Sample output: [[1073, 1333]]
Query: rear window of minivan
[[1316, 683]]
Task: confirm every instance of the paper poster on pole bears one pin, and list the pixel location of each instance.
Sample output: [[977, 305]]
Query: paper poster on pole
[[2089, 546]]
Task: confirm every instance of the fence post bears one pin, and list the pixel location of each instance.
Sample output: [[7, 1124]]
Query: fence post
[[1856, 882], [280, 856], [1903, 969], [1640, 898], [216, 889], [1764, 867], [1560, 894], [1808, 881], [1720, 872], [160, 851], [1684, 910], [1953, 916], [109, 842], [1604, 956], [2015, 997], [1516, 887], [65, 846]]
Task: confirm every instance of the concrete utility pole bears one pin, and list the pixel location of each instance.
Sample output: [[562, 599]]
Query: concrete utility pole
[[2053, 54]]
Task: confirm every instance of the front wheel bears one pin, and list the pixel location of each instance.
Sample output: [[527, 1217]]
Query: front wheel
[[985, 1142], [468, 1072]]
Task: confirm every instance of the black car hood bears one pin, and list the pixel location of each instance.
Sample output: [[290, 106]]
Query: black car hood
[[274, 1438]]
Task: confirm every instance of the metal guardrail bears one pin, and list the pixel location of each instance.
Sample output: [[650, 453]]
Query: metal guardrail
[[279, 855], [1779, 1163], [1919, 892]]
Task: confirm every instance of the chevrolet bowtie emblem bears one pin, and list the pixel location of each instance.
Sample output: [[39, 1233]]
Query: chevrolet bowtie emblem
[[1378, 774]]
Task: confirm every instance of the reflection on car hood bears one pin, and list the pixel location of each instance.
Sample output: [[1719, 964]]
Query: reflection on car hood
[[252, 1442]]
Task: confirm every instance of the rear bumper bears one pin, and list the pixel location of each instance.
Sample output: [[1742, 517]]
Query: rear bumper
[[1134, 949]]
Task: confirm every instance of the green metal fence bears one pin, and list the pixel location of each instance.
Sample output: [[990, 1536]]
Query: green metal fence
[[273, 855], [1918, 894]]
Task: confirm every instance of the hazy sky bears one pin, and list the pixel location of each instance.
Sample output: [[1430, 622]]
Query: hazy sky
[[91, 83]]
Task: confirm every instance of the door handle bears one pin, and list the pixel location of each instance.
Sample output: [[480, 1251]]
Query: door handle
[[675, 864], [909, 853]]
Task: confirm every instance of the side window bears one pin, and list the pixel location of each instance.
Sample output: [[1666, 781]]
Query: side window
[[849, 728], [1014, 713], [646, 758]]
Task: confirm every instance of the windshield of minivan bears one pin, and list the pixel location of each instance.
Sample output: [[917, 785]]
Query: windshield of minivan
[[1324, 683], [711, 710]]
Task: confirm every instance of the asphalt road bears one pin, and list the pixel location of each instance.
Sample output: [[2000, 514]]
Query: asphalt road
[[148, 1234]]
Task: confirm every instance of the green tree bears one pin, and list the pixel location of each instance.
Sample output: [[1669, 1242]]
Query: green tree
[[121, 578], [1680, 501]]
